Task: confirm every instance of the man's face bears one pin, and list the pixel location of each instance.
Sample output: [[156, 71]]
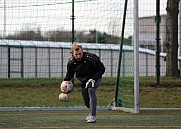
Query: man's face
[[78, 54]]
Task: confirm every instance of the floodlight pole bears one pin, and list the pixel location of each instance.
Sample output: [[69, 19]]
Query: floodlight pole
[[73, 17], [158, 19]]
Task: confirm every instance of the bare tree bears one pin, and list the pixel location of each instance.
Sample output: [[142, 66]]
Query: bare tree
[[172, 38]]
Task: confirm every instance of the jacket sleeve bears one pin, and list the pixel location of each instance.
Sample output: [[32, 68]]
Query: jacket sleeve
[[70, 72], [100, 71], [100, 68]]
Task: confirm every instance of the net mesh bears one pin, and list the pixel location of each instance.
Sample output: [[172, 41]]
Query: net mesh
[[35, 47]]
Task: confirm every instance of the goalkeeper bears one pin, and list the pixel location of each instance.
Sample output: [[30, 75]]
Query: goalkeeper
[[89, 70]]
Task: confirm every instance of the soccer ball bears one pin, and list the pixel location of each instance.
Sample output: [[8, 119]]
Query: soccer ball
[[66, 87], [63, 97]]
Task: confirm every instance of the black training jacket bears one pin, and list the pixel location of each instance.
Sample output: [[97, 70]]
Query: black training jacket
[[90, 67]]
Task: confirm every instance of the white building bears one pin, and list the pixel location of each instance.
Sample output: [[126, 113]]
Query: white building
[[31, 59], [147, 32]]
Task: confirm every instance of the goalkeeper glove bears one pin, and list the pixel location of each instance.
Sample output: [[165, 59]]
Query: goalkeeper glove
[[90, 83]]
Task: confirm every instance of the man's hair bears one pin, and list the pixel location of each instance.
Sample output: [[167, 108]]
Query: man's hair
[[76, 47]]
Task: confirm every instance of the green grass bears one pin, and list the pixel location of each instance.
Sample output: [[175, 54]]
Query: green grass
[[76, 119], [44, 92]]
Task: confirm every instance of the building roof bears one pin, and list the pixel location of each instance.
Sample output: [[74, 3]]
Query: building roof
[[48, 44]]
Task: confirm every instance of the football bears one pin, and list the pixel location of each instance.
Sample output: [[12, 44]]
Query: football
[[63, 97], [66, 87]]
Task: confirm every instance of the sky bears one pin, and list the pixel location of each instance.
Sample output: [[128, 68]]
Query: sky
[[47, 15], [148, 7]]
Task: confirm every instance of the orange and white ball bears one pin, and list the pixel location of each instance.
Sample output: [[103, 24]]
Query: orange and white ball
[[66, 87], [63, 97]]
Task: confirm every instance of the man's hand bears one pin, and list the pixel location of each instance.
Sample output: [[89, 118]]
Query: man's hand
[[90, 83]]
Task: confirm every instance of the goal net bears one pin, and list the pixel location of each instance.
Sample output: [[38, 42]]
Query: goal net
[[36, 38]]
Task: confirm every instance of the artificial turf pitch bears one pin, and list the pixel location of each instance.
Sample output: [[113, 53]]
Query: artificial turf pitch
[[76, 119]]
